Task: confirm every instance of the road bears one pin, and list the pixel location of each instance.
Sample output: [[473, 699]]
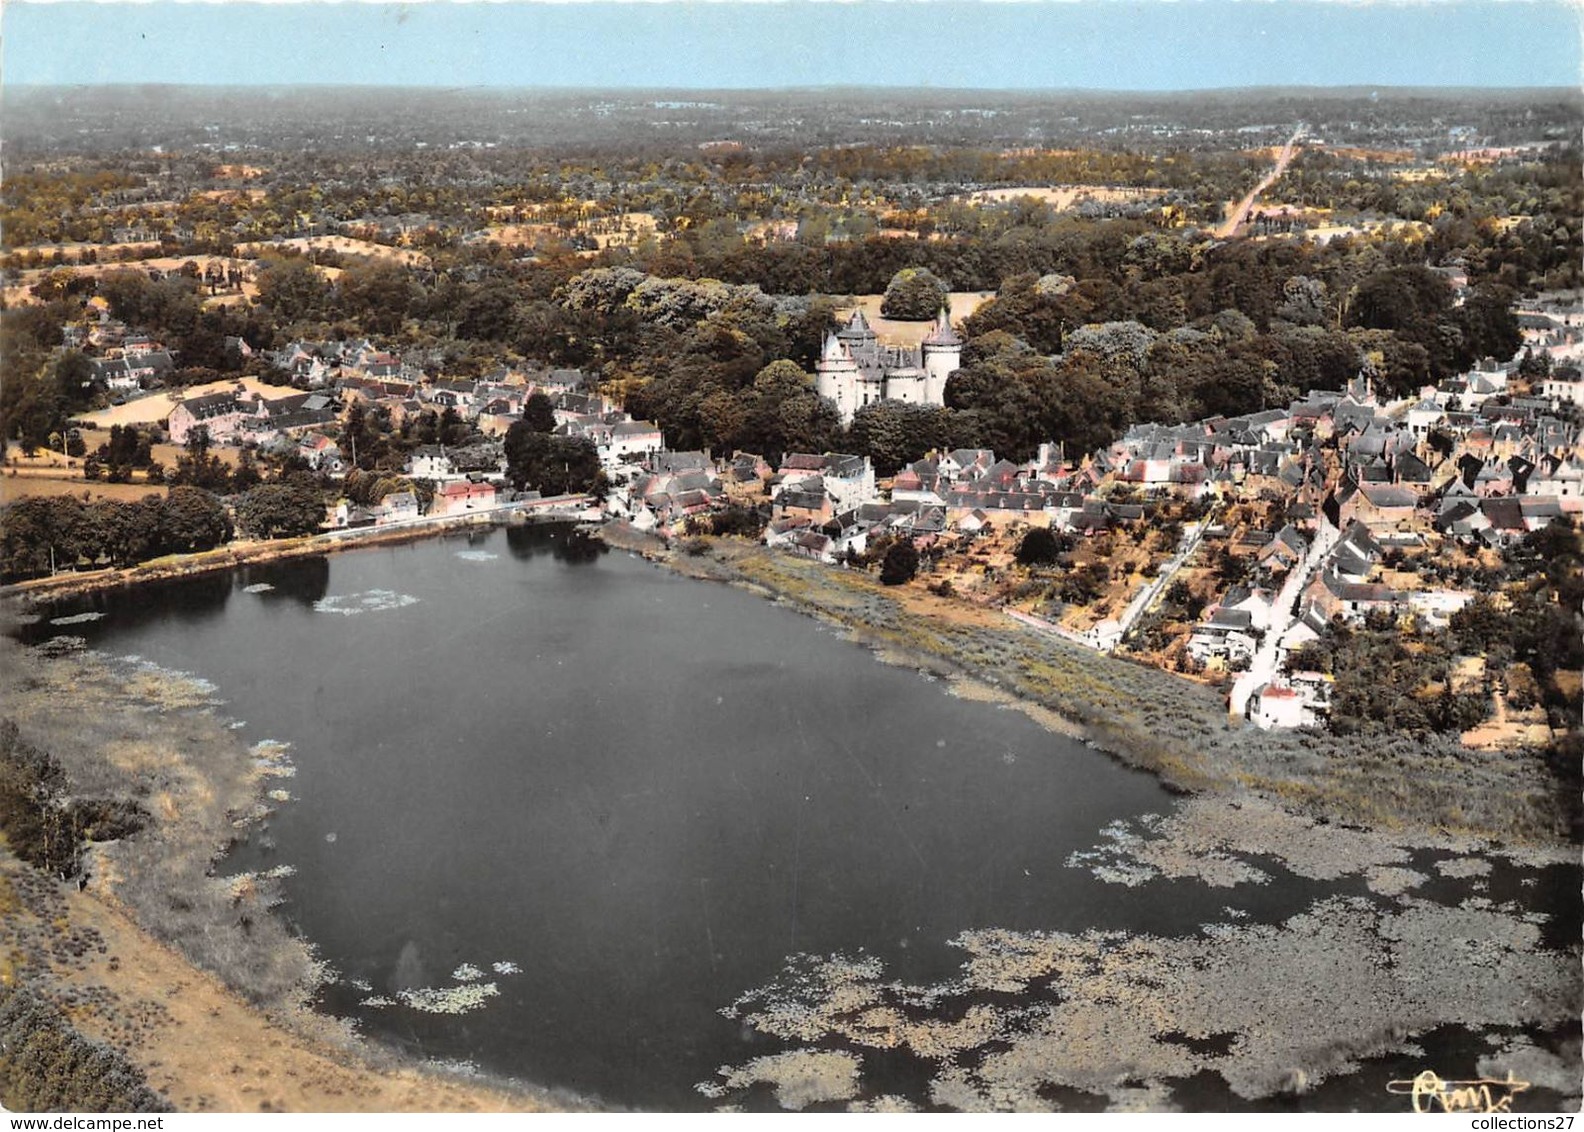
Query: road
[[1283, 614], [1146, 598], [1136, 608], [1240, 214]]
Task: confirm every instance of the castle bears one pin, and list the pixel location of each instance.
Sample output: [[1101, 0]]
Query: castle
[[855, 369]]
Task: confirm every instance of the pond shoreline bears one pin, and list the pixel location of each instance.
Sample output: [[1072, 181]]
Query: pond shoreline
[[896, 626], [164, 962], [1186, 740], [244, 552]]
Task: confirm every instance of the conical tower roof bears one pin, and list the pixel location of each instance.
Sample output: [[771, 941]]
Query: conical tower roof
[[942, 334], [857, 327]]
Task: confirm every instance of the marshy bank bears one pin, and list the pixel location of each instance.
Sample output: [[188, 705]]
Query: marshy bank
[[124, 958], [1178, 730]]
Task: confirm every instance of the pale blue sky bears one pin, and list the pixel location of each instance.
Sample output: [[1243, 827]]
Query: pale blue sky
[[1040, 44]]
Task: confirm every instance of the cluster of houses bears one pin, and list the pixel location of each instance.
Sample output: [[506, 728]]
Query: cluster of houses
[[1361, 480], [666, 490], [1353, 478], [405, 388], [240, 416], [829, 505]]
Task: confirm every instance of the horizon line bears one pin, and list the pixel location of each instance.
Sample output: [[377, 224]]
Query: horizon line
[[789, 87]]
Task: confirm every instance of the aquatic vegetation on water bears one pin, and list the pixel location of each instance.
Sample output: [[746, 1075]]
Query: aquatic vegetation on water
[[1390, 881], [258, 588], [1205, 837], [1463, 867], [467, 973], [1528, 1062], [76, 619], [1266, 1007], [449, 1000], [476, 556], [272, 758], [890, 1102], [800, 1077], [1120, 1016], [506, 967], [1132, 854], [370, 601]]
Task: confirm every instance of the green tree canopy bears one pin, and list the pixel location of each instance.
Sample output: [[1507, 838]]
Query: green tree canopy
[[554, 465], [900, 563], [281, 510], [914, 293]]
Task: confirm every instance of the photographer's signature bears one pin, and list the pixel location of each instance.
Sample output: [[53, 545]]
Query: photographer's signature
[[1486, 1094]]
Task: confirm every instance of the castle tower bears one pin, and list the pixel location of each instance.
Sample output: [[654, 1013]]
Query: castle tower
[[942, 355], [836, 378], [859, 338]]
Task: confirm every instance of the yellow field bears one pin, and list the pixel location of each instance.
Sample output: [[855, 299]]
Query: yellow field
[[20, 292], [155, 408], [13, 487], [1063, 197], [51, 473], [72, 252], [342, 245], [963, 304]]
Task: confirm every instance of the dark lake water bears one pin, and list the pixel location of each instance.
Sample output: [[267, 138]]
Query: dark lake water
[[638, 793]]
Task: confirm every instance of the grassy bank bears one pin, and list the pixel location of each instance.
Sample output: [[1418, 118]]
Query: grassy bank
[[1174, 728], [148, 958]]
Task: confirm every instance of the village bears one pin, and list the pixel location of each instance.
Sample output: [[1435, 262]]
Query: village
[[1223, 549]]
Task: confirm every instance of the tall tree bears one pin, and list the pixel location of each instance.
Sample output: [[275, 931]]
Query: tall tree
[[914, 293]]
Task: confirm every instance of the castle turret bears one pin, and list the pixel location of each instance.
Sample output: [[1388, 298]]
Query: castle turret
[[942, 355], [836, 378], [859, 338]]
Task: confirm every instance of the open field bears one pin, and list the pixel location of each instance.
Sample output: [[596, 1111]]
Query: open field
[[341, 245], [72, 253], [50, 473], [156, 407], [1064, 197], [14, 486], [19, 289], [1356, 153], [963, 304]]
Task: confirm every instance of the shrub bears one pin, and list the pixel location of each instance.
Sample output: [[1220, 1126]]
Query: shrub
[[900, 563], [46, 1066], [41, 824]]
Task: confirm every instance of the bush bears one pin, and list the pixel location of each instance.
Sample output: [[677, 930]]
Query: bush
[[743, 522], [1040, 547], [900, 563], [41, 824], [46, 1066]]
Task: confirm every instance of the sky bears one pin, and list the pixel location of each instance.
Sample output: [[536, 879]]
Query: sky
[[725, 44]]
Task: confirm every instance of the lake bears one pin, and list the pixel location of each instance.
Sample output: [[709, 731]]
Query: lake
[[554, 809]]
